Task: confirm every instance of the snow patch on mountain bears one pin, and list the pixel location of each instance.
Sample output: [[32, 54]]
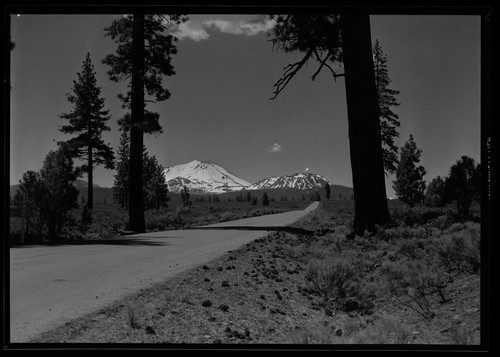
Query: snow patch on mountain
[[202, 177], [300, 181]]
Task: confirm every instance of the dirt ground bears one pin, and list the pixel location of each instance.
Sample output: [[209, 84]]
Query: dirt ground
[[258, 294]]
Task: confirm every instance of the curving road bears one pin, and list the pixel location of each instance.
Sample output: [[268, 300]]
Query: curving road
[[50, 285]]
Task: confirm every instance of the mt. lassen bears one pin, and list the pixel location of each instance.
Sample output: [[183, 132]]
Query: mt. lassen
[[208, 177], [202, 177]]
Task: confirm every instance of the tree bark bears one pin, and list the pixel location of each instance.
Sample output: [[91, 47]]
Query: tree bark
[[136, 199], [365, 142]]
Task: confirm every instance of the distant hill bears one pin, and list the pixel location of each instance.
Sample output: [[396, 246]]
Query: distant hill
[[336, 192], [101, 194]]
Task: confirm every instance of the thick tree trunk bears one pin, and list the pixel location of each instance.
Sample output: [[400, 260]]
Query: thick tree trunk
[[365, 143], [136, 199]]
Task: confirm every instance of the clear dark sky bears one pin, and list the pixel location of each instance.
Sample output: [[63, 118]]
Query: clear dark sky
[[220, 108]]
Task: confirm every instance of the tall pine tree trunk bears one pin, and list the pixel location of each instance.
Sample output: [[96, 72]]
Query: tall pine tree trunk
[[365, 143], [136, 200]]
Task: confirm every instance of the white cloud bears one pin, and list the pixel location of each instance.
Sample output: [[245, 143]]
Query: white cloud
[[192, 30], [274, 148], [196, 29], [253, 28], [249, 28]]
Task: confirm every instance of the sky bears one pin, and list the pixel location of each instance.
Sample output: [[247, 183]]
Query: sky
[[220, 109]]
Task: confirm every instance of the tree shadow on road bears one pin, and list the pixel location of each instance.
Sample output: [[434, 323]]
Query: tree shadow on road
[[123, 241]]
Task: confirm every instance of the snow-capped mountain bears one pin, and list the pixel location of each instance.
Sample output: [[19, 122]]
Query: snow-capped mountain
[[202, 177], [301, 181]]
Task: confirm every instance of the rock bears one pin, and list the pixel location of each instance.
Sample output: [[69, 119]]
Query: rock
[[224, 307], [150, 330], [225, 284], [206, 280], [351, 305], [220, 269], [328, 312], [338, 332], [205, 267], [277, 311], [206, 303]]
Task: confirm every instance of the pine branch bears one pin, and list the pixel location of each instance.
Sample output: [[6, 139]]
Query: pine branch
[[289, 72], [323, 63]]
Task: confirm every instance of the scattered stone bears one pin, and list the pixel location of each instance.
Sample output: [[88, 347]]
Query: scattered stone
[[220, 269], [206, 280], [150, 330], [205, 267], [224, 307], [206, 303], [211, 319], [262, 297], [277, 311], [328, 312], [225, 284]]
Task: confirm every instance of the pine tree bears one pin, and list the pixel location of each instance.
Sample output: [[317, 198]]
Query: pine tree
[[155, 187], [58, 175], [120, 187], [29, 198], [327, 191], [346, 39], [185, 196], [143, 55], [265, 199], [435, 193], [389, 121], [88, 118], [409, 184], [463, 184]]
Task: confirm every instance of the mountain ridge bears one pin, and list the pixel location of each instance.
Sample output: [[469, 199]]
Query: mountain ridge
[[203, 177]]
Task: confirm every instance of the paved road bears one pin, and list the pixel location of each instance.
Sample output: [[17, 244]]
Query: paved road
[[50, 285]]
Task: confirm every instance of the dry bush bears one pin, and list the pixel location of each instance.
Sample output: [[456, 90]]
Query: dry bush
[[411, 283]]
